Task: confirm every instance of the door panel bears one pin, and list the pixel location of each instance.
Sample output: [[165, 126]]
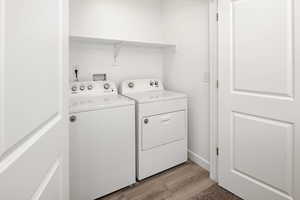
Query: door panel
[[262, 41], [163, 129], [27, 168], [51, 186], [32, 66], [259, 98], [273, 140], [33, 103]]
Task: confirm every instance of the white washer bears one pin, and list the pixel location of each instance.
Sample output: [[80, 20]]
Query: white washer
[[161, 118], [102, 140]]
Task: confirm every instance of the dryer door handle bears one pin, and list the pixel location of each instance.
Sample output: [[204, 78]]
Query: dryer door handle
[[165, 118]]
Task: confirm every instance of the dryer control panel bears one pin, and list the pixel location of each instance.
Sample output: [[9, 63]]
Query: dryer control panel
[[93, 88], [141, 85]]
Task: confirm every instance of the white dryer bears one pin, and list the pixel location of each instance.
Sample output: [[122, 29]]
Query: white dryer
[[102, 140], [161, 126]]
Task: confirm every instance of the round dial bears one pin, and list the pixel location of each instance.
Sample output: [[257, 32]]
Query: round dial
[[90, 87], [82, 87], [131, 85], [106, 86], [74, 88]]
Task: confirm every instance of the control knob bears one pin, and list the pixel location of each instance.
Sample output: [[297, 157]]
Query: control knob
[[130, 84], [74, 88], [82, 87], [106, 86], [90, 87]]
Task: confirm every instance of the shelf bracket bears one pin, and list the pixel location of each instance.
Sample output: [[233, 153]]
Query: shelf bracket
[[117, 48]]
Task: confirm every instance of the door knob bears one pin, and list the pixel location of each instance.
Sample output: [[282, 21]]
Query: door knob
[[146, 121]]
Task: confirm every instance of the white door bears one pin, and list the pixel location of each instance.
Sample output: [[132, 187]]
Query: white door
[[33, 114], [259, 63]]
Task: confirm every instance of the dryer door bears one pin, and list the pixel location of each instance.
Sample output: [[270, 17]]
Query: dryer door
[[163, 129]]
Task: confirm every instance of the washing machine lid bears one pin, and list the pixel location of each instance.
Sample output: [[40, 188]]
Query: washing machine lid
[[90, 103], [151, 96]]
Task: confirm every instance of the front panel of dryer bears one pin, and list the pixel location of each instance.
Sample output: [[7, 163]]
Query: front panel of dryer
[[162, 129]]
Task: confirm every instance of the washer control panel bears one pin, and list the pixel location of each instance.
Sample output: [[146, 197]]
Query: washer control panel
[[93, 88], [141, 85]]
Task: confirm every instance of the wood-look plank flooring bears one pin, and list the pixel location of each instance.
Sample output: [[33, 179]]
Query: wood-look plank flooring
[[180, 183]]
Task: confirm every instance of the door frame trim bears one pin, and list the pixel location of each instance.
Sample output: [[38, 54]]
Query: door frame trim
[[214, 100], [2, 62]]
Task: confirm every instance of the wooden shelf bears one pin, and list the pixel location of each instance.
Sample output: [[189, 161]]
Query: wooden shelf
[[121, 42]]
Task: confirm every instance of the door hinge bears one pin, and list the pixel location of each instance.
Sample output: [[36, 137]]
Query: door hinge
[[217, 17], [217, 84], [217, 151]]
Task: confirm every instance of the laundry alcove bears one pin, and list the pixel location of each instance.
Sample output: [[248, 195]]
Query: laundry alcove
[[167, 39]]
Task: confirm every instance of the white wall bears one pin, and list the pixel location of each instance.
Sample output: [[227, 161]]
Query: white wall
[[118, 19], [133, 62], [186, 25]]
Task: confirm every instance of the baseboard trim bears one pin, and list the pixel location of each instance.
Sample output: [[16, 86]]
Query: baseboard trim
[[198, 160]]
